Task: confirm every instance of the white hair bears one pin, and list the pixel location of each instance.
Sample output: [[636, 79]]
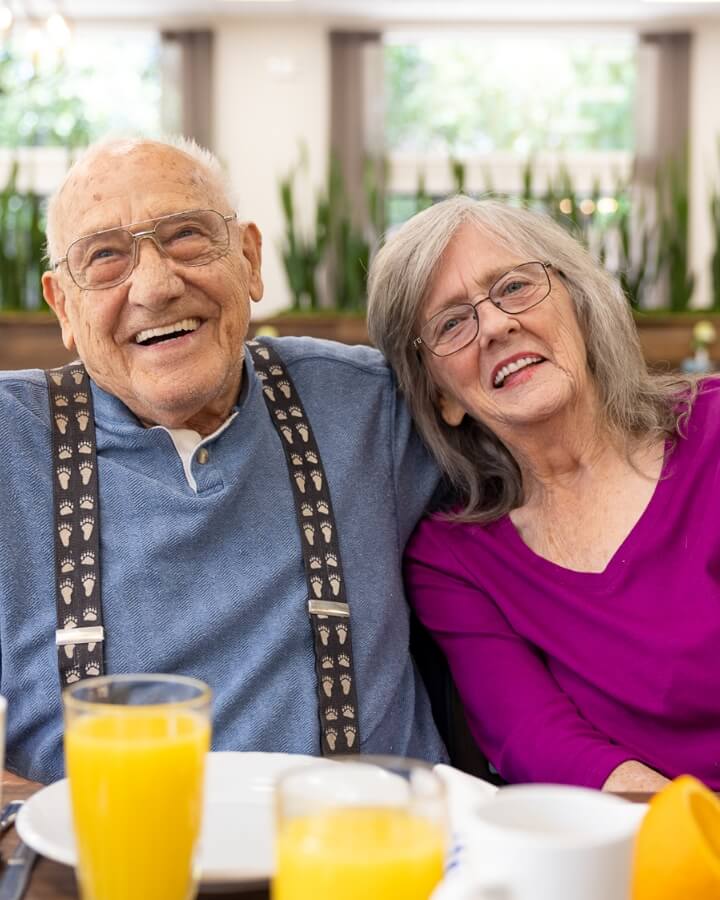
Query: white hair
[[205, 160]]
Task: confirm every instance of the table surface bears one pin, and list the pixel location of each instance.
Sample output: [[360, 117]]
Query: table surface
[[53, 881]]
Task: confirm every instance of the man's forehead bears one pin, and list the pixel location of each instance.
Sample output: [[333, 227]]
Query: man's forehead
[[119, 188]]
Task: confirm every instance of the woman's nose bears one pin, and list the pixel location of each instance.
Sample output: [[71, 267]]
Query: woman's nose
[[493, 323]]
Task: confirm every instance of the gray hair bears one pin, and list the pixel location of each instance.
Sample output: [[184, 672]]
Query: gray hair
[[639, 406], [207, 162]]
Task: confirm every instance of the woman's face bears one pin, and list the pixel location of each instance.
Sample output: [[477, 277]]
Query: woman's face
[[543, 345]]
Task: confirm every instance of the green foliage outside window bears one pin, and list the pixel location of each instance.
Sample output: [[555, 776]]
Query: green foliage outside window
[[105, 82], [497, 93], [36, 106]]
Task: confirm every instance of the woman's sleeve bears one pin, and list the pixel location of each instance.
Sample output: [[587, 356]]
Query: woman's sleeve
[[523, 722]]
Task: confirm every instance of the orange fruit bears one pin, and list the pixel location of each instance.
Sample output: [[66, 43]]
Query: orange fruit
[[677, 850]]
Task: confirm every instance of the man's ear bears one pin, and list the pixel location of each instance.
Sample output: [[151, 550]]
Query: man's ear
[[450, 409], [252, 251], [56, 300]]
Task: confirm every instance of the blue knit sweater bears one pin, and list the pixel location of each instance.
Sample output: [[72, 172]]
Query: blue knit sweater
[[211, 583]]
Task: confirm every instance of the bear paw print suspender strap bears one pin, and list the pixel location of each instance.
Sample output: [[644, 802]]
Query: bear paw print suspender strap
[[327, 600], [79, 635]]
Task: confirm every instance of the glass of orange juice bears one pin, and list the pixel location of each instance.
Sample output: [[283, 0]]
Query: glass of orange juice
[[360, 827], [135, 748]]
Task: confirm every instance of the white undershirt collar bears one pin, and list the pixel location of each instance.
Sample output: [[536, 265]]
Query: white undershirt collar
[[187, 442]]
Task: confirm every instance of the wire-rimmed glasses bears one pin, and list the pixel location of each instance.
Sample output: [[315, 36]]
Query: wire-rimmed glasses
[[457, 326], [106, 258]]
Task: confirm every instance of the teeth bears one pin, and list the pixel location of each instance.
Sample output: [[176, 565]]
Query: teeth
[[182, 325], [514, 366]]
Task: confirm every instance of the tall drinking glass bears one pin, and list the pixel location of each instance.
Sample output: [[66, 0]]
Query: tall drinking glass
[[364, 827], [135, 748]]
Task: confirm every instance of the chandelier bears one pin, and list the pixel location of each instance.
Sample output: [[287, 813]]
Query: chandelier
[[47, 30]]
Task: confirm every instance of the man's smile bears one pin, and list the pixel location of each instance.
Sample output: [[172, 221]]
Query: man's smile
[[162, 333]]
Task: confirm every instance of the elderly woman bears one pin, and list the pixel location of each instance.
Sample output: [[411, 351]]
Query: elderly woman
[[575, 586]]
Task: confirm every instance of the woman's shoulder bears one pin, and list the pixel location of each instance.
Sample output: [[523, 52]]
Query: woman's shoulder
[[708, 392], [705, 409], [698, 423], [440, 538]]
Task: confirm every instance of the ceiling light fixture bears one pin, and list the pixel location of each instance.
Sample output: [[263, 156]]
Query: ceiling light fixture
[[58, 29], [6, 18]]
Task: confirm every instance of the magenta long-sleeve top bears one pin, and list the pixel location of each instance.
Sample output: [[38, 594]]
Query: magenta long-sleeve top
[[564, 675]]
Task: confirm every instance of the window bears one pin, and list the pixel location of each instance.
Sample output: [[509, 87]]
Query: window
[[103, 80], [510, 93], [523, 115], [56, 97]]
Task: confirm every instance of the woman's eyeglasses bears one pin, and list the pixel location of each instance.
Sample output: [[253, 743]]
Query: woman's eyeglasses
[[457, 326]]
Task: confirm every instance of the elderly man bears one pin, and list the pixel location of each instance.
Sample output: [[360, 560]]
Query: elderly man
[[183, 502]]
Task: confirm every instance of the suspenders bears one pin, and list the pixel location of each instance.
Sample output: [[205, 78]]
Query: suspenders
[[327, 601], [80, 634]]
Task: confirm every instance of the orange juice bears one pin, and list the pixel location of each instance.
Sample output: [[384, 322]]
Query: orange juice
[[369, 853], [136, 782]]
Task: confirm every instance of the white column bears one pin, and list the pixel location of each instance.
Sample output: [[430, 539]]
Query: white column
[[704, 158], [271, 94]]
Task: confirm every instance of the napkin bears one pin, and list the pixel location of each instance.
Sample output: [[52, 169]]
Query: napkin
[[465, 793]]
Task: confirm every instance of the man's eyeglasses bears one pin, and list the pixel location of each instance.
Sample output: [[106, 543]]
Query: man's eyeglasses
[[457, 326], [106, 258]]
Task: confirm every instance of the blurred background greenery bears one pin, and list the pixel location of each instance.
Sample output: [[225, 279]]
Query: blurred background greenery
[[555, 119]]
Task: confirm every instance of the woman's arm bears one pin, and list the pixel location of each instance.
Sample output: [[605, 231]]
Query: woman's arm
[[522, 720]]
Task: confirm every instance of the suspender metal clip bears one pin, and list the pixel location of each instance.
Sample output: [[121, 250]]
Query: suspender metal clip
[[92, 635], [328, 608]]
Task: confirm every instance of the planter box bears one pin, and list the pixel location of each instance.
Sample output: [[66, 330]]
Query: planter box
[[33, 339], [333, 327], [666, 338], [30, 341]]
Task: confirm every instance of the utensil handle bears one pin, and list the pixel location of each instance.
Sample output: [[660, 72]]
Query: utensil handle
[[14, 881]]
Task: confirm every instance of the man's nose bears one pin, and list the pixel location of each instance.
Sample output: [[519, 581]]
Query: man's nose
[[493, 324], [153, 280]]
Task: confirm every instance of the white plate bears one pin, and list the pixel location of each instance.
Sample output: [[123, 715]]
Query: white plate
[[236, 845]]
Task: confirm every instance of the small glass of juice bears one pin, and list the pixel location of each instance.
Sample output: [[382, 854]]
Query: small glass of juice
[[135, 748], [360, 827]]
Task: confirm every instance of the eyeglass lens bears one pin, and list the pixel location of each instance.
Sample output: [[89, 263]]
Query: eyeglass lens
[[514, 292], [107, 257]]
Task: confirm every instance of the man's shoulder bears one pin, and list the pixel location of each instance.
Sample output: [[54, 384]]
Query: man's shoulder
[[24, 389], [353, 358]]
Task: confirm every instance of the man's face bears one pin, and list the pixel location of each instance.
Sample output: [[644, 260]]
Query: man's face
[[191, 380]]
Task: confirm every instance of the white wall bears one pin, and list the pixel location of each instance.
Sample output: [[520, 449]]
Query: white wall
[[704, 158], [271, 93]]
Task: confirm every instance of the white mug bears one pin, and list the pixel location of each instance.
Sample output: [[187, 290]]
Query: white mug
[[548, 842]]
